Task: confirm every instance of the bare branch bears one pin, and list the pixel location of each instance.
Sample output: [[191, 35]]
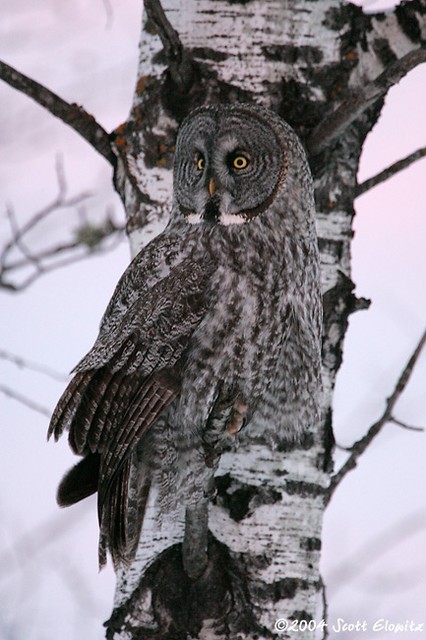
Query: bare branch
[[59, 264], [382, 543], [22, 363], [390, 171], [409, 427], [323, 588], [60, 202], [88, 237], [16, 241], [350, 109], [38, 539], [177, 59], [169, 37], [15, 395], [361, 445], [76, 584], [109, 13], [72, 114]]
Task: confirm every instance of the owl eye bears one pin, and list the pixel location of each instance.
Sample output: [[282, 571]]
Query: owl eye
[[240, 162], [199, 162]]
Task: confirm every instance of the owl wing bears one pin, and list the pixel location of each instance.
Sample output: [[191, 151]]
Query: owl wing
[[129, 377]]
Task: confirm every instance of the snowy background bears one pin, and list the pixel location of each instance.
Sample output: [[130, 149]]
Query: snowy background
[[374, 554]]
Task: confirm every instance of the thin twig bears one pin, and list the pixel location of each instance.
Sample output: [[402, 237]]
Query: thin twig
[[16, 241], [75, 581], [72, 114], [38, 539], [323, 588], [109, 14], [390, 171], [350, 109], [53, 207], [404, 425], [382, 543], [15, 395], [59, 202], [87, 237], [361, 445], [59, 264], [22, 363]]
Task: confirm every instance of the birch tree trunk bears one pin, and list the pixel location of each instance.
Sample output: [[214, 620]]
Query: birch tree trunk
[[304, 60]]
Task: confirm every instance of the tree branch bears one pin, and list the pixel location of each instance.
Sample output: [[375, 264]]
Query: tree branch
[[14, 395], [177, 59], [390, 171], [87, 236], [38, 539], [361, 445], [382, 543], [169, 37], [22, 363], [409, 427], [350, 109], [72, 114], [36, 260]]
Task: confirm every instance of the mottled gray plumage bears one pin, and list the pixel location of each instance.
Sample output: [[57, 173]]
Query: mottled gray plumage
[[212, 334]]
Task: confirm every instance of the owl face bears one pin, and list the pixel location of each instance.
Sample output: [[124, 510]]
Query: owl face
[[229, 163]]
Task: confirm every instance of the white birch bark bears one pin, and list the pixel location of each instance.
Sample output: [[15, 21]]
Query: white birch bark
[[300, 58]]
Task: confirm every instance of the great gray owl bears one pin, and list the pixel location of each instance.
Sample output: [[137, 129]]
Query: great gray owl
[[212, 334]]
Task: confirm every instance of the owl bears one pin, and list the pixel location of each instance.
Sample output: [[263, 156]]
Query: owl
[[212, 334]]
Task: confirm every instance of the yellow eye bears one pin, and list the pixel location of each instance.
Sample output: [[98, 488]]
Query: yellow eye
[[200, 163], [240, 162]]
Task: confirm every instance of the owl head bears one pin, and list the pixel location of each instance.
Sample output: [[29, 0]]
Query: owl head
[[229, 163]]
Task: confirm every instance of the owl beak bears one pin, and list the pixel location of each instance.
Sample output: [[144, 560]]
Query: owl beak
[[211, 211], [212, 187]]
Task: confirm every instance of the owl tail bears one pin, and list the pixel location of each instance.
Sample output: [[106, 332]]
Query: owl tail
[[108, 412], [80, 481], [122, 513]]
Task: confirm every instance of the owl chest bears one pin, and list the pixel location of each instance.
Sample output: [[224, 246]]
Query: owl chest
[[238, 341], [235, 348]]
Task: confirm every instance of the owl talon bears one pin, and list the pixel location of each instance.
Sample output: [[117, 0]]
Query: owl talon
[[238, 418]]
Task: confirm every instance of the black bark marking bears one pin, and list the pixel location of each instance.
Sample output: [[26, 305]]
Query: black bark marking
[[305, 442], [408, 20], [332, 247], [301, 615], [209, 54], [206, 88], [239, 499], [383, 51], [310, 544], [298, 108], [285, 589], [303, 489], [357, 23], [280, 473], [334, 78], [293, 54], [238, 1], [328, 441], [180, 606], [288, 588]]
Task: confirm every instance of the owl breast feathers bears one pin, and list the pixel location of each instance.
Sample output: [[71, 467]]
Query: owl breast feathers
[[213, 332]]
